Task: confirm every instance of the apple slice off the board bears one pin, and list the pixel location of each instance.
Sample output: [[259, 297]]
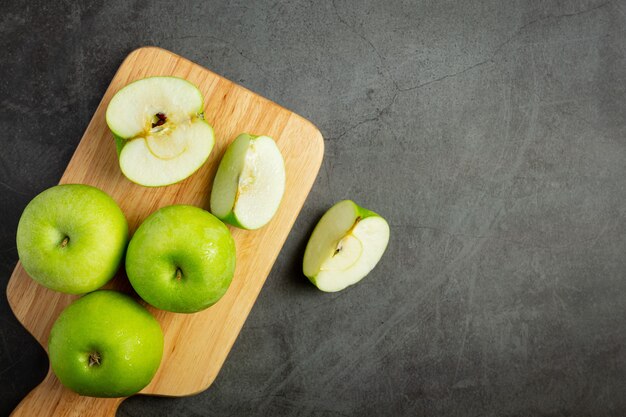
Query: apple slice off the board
[[196, 345]]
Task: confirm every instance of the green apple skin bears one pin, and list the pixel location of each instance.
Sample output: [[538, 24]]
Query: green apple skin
[[143, 99], [232, 219], [225, 202], [351, 228], [105, 344], [71, 238], [181, 259]]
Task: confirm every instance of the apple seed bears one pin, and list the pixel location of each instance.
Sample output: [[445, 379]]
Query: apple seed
[[162, 118]]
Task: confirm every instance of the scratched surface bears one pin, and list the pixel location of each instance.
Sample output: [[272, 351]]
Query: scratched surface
[[492, 135]]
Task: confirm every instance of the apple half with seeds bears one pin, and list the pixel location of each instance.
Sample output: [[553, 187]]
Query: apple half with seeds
[[249, 183], [159, 129], [345, 246]]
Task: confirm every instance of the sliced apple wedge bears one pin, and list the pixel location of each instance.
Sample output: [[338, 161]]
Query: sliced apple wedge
[[249, 183], [159, 129], [345, 246]]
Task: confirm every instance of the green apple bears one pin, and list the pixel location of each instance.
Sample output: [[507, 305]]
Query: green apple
[[105, 344], [345, 246], [249, 183], [159, 128], [71, 238], [181, 259]]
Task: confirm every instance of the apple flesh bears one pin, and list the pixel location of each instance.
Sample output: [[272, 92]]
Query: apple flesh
[[159, 128], [181, 259], [249, 183], [71, 238], [105, 344], [345, 246]]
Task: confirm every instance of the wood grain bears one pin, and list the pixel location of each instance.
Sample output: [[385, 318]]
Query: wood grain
[[196, 345]]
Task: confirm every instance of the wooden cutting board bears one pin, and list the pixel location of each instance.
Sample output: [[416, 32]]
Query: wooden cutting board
[[196, 345]]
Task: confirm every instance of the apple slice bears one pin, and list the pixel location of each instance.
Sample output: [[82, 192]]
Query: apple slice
[[249, 183], [345, 246], [160, 131]]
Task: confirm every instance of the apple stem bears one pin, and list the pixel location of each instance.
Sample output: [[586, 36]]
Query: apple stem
[[94, 358], [179, 274], [65, 241]]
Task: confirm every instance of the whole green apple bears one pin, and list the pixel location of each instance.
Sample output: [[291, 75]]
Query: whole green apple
[[105, 344], [181, 259], [71, 238]]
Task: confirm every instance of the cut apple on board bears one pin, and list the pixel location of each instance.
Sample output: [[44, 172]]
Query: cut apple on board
[[249, 183], [159, 129], [345, 246]]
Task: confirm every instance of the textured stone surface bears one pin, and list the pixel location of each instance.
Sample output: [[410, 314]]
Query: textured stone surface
[[490, 134]]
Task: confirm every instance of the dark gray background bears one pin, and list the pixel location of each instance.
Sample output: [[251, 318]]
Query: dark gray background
[[490, 134]]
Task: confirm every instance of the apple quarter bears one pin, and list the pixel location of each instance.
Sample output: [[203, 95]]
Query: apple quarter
[[345, 246], [249, 183]]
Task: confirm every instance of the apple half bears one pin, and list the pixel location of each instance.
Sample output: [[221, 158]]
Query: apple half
[[249, 183], [345, 246], [159, 129]]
